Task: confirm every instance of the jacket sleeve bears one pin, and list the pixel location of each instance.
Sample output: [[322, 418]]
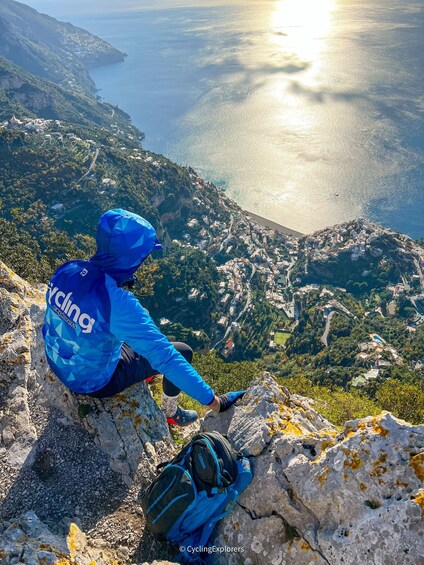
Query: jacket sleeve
[[132, 324]]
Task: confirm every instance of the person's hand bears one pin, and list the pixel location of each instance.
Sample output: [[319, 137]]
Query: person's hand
[[214, 405], [227, 400]]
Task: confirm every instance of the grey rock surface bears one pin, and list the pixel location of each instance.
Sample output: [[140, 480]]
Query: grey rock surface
[[30, 541], [71, 459], [320, 496], [72, 469]]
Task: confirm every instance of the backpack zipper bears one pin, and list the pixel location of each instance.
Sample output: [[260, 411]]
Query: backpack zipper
[[211, 449], [168, 505], [161, 496]]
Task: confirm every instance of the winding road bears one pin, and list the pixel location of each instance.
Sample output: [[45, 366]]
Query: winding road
[[91, 167], [324, 337]]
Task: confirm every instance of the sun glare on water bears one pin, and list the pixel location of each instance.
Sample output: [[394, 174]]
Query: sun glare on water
[[301, 27], [300, 30]]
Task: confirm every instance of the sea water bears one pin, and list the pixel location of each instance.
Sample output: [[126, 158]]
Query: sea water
[[307, 112]]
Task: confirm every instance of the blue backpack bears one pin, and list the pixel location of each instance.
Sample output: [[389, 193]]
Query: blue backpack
[[195, 490]]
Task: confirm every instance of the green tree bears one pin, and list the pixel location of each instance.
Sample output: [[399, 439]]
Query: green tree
[[405, 400]]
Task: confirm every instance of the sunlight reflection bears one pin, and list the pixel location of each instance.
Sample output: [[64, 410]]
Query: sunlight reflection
[[300, 26], [300, 32]]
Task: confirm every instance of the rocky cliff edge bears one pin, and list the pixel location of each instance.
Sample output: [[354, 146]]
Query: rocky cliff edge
[[71, 469]]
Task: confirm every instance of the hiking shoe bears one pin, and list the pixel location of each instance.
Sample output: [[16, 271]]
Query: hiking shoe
[[182, 418]]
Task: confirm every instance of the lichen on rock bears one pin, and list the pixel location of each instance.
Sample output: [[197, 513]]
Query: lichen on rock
[[66, 457], [319, 495], [72, 468]]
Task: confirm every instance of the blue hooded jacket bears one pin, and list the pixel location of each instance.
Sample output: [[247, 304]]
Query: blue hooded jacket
[[89, 315]]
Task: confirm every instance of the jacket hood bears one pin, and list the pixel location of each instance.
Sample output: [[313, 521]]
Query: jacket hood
[[124, 240]]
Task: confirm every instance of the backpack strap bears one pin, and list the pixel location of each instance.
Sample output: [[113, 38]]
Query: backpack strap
[[163, 464], [244, 478], [226, 507], [200, 537], [245, 474]]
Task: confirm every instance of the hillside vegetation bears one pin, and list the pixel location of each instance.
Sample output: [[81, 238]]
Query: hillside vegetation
[[23, 94], [349, 299], [54, 50]]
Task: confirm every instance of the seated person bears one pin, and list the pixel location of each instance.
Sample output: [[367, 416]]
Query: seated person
[[98, 338]]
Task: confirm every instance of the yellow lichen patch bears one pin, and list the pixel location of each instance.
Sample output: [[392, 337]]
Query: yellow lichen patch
[[353, 460], [380, 430], [419, 499], [20, 360], [74, 539], [373, 425], [305, 546], [292, 428], [323, 476], [401, 484], [345, 476], [362, 487], [326, 444], [283, 407], [284, 424], [378, 466], [62, 559], [417, 463]]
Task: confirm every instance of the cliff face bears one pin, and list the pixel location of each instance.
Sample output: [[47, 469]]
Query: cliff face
[[71, 469], [23, 94], [320, 495], [54, 50], [72, 463]]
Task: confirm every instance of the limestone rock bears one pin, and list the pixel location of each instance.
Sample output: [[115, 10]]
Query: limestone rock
[[31, 542], [65, 456], [320, 496], [72, 468]]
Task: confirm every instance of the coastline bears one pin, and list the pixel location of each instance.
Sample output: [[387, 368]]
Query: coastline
[[273, 225]]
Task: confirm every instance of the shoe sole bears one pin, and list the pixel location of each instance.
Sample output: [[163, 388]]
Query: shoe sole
[[149, 380], [172, 422]]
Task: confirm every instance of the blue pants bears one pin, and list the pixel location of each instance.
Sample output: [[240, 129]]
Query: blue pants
[[133, 368]]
